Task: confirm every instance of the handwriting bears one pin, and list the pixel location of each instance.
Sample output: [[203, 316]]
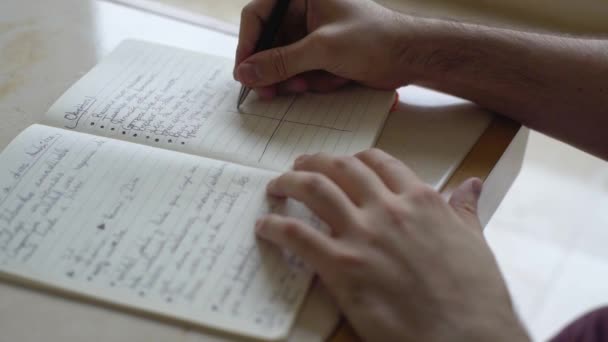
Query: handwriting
[[73, 117], [185, 101], [150, 223]]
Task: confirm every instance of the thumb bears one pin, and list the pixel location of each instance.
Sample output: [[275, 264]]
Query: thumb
[[465, 198], [278, 64]]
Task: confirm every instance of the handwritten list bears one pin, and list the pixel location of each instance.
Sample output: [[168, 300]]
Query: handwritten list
[[184, 101], [162, 231]]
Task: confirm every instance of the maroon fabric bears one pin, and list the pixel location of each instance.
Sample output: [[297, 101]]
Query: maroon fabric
[[592, 327]]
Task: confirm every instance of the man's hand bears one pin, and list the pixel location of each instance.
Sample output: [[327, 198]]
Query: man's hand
[[402, 263], [324, 45]]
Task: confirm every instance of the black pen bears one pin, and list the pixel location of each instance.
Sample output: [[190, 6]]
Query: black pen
[[269, 33]]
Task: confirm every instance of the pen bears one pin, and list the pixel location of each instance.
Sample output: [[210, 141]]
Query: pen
[[266, 40]]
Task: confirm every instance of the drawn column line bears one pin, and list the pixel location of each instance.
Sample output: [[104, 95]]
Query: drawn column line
[[277, 128]]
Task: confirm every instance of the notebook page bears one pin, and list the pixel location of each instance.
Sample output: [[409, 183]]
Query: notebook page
[[185, 101], [162, 232]]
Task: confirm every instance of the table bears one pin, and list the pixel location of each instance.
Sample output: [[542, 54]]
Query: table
[[47, 46]]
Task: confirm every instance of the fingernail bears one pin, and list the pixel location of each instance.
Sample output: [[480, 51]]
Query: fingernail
[[248, 73], [259, 227], [477, 185], [271, 184], [272, 190]]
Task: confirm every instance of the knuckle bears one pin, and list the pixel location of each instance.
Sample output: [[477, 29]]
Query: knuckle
[[321, 156], [343, 162], [386, 164], [278, 62], [285, 179], [315, 158], [396, 212], [348, 258], [291, 231], [374, 151], [371, 236], [423, 194], [366, 155], [313, 183], [380, 160]]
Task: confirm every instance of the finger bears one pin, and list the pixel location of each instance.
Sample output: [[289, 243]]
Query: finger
[[316, 81], [357, 180], [294, 85], [465, 200], [313, 81], [323, 82], [253, 17], [280, 63], [392, 171], [266, 93], [312, 245], [319, 194]]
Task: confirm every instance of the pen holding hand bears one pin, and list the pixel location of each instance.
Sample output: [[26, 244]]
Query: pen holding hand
[[328, 44], [268, 36]]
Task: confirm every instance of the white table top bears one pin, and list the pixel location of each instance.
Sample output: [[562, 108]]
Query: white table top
[[45, 46]]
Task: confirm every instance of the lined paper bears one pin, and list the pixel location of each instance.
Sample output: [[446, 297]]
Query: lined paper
[[160, 231], [185, 101]]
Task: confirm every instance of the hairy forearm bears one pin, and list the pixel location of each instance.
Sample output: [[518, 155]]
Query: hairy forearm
[[556, 85]]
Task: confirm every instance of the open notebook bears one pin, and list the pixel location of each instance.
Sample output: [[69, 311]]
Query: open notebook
[[142, 187]]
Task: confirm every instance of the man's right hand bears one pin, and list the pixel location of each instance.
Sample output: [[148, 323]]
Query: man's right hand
[[325, 44]]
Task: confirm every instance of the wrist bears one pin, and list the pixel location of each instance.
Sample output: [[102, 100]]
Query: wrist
[[497, 322], [406, 35], [492, 320], [435, 51]]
